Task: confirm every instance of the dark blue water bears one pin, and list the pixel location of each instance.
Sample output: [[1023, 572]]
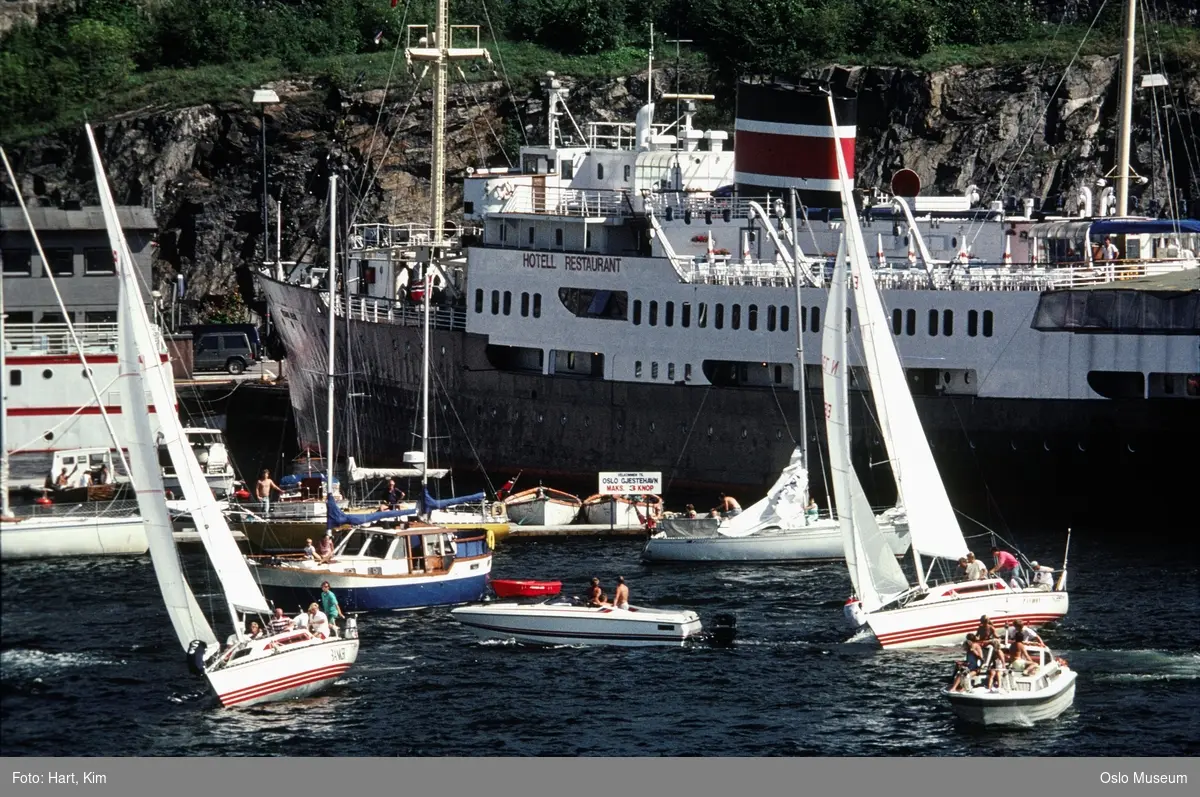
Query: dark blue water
[[89, 666]]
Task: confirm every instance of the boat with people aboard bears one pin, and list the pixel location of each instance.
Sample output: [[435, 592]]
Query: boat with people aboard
[[1035, 688], [623, 511], [569, 621]]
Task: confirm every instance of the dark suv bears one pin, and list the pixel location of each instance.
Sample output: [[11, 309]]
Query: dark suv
[[225, 351]]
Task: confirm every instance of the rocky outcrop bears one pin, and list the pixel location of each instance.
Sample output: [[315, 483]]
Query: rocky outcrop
[[1012, 132]]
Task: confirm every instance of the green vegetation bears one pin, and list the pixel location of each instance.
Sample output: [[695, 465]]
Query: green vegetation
[[97, 58]]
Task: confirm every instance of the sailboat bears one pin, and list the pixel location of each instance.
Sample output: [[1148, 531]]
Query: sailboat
[[900, 614], [247, 670], [376, 566]]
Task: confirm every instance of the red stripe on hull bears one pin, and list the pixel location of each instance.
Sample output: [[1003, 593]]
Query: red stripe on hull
[[38, 412], [965, 626], [791, 156], [65, 359], [282, 684]]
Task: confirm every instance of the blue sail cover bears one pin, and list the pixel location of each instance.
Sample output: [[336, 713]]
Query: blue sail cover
[[335, 517], [435, 503]]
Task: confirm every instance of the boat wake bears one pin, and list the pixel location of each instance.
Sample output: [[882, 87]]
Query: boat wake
[[1117, 666], [23, 663]]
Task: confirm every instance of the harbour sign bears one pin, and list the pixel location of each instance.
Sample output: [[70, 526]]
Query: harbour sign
[[648, 483]]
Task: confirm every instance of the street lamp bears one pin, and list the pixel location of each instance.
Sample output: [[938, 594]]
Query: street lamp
[[263, 98]]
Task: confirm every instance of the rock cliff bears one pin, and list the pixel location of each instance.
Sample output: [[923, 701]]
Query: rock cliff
[[1012, 132]]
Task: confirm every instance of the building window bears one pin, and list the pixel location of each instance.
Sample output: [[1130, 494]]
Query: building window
[[897, 322], [670, 314], [508, 302], [61, 262], [702, 315], [770, 318], [784, 321], [626, 173], [495, 302], [567, 169], [478, 301], [910, 319], [687, 369], [17, 262], [57, 318], [736, 317], [637, 312], [933, 323], [524, 305], [947, 322], [98, 261], [685, 314], [599, 171], [654, 370], [537, 305], [972, 323], [671, 372], [100, 317], [530, 235], [637, 369], [987, 323], [653, 314], [816, 319], [720, 320], [752, 318]]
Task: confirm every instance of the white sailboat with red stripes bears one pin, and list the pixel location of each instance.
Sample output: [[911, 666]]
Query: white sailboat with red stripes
[[247, 671], [900, 615]]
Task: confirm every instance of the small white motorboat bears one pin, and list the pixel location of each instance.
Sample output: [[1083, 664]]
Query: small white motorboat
[[570, 622], [542, 506], [1040, 690]]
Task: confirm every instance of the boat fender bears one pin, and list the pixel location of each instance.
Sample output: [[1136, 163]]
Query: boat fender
[[195, 656], [351, 631], [853, 610], [491, 540]]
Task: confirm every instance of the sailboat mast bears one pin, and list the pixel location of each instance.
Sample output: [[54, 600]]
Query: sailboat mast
[[5, 509], [799, 335], [329, 375], [1126, 110]]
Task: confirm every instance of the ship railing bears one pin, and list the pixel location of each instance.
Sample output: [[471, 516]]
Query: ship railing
[[554, 201], [364, 237], [1078, 276], [83, 510], [408, 314], [56, 338], [619, 135]]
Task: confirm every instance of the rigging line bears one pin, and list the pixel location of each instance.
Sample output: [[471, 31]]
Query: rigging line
[[486, 121], [504, 72], [1181, 121], [1158, 128], [388, 148], [688, 437], [474, 120], [383, 100], [474, 452], [1074, 57], [987, 488]]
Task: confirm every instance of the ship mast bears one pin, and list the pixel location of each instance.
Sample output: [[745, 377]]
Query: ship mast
[[1126, 110], [330, 372], [436, 46]]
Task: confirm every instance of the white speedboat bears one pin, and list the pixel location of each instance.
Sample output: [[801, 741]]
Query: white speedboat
[[1039, 691], [542, 506], [567, 622]]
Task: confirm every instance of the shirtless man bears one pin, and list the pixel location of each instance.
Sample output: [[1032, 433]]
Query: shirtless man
[[621, 597], [596, 595], [264, 487], [729, 506]]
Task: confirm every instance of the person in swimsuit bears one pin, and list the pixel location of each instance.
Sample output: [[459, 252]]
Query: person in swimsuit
[[596, 594], [621, 597]]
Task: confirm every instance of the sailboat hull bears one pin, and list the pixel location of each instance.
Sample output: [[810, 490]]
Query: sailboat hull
[[54, 536], [283, 675], [946, 616], [821, 541]]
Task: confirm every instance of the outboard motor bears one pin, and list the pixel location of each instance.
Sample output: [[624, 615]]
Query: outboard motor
[[195, 656], [724, 629], [351, 629], [855, 615]]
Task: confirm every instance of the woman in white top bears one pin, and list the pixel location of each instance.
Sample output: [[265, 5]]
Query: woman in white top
[[318, 622]]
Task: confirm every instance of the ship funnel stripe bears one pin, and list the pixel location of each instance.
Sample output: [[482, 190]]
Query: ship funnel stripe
[[786, 129], [798, 157]]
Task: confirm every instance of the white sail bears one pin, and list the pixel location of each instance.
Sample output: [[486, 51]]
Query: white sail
[[240, 589], [782, 507], [931, 522]]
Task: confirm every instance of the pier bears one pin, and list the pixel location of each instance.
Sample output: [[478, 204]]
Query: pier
[[589, 530]]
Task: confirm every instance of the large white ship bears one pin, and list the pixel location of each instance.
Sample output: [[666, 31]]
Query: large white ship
[[626, 300]]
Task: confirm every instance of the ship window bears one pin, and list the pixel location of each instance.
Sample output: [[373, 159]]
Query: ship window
[[671, 371], [637, 312], [566, 169], [626, 173], [670, 314], [98, 261], [587, 239], [525, 305], [17, 262], [594, 303], [1193, 384], [58, 318], [653, 314], [987, 323], [685, 314], [687, 372], [503, 232], [508, 302], [816, 319], [537, 305], [495, 302], [637, 369], [778, 374], [571, 360], [61, 262], [531, 235], [702, 315], [719, 323], [14, 378], [752, 318], [770, 318], [947, 322], [910, 322], [478, 300], [735, 320], [558, 236], [933, 323], [654, 370], [784, 321], [972, 323], [468, 207], [1117, 384], [897, 322]]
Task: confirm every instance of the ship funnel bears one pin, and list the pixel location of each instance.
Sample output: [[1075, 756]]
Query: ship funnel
[[645, 125]]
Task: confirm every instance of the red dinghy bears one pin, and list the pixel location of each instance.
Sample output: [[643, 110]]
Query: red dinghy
[[524, 588]]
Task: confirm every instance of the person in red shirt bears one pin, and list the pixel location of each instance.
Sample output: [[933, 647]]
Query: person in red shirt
[[1007, 566]]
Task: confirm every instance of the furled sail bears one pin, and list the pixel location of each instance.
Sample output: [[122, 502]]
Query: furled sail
[[782, 507], [431, 503]]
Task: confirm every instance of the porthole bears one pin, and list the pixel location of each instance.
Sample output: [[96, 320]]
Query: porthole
[[48, 436], [86, 372], [587, 421], [541, 417], [47, 374], [710, 431], [493, 412], [744, 433], [653, 426], [563, 419], [779, 434]]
